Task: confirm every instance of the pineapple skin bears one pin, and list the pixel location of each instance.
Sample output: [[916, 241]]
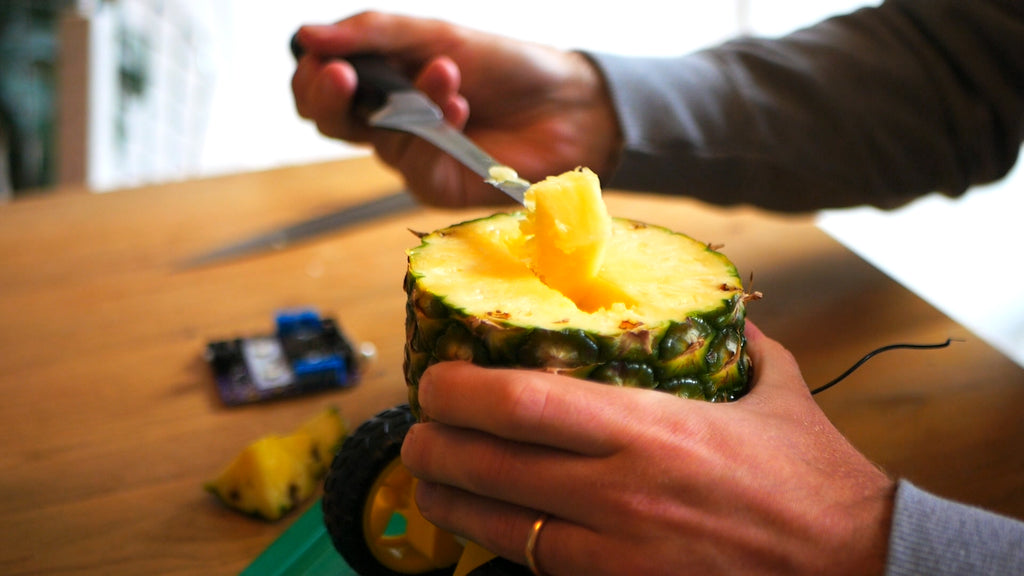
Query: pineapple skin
[[701, 356]]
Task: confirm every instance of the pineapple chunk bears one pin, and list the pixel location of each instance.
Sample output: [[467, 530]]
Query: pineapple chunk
[[270, 477], [274, 474], [568, 228], [327, 429]]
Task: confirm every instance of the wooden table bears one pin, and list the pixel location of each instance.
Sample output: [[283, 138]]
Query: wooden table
[[109, 422]]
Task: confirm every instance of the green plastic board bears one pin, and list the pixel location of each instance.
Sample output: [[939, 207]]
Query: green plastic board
[[303, 549]]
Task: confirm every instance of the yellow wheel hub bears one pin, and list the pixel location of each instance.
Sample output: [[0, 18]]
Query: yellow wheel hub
[[397, 534]]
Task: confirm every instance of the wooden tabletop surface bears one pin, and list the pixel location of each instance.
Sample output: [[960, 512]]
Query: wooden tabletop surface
[[109, 422]]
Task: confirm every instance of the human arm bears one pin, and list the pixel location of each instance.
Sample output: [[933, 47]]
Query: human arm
[[642, 482], [878, 106]]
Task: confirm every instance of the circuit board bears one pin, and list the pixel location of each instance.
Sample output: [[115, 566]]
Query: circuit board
[[306, 353]]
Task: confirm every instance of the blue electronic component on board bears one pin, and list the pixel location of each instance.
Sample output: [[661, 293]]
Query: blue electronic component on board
[[306, 353]]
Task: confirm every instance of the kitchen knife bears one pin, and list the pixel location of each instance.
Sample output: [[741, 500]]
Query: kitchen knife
[[281, 238], [385, 98]]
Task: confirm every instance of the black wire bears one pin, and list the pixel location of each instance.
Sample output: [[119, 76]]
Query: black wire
[[875, 352]]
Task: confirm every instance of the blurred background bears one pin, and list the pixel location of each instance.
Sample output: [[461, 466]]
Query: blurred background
[[110, 95]]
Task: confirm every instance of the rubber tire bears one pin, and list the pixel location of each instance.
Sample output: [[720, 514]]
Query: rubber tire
[[362, 458]]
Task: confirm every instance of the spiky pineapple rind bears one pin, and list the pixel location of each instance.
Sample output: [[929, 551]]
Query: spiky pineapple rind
[[715, 364]]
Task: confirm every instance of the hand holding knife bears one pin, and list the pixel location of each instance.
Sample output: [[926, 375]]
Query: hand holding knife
[[385, 98]]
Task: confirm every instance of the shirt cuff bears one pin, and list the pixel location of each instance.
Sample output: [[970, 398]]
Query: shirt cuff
[[937, 537]]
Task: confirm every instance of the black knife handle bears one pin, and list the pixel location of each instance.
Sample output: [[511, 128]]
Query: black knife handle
[[378, 79]]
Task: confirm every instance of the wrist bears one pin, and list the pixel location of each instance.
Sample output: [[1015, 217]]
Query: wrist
[[597, 116], [868, 525]]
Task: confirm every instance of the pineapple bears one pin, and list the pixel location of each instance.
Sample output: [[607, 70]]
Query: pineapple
[[327, 430], [564, 287], [276, 473]]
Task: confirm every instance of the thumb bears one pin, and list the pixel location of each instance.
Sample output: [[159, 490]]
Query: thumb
[[776, 372]]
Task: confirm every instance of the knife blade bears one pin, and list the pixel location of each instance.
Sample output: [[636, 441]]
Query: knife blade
[[413, 112], [280, 238], [385, 98]]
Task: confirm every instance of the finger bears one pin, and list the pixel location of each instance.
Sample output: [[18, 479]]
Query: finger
[[777, 375], [323, 93], [498, 526], [413, 39], [302, 80], [440, 81], [529, 475], [753, 332], [560, 547], [329, 40], [531, 406], [431, 175]]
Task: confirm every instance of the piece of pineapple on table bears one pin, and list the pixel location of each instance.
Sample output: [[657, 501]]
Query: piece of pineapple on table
[[275, 473], [564, 287]]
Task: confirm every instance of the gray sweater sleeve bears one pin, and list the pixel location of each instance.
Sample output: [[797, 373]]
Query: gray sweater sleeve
[[936, 537], [875, 107]]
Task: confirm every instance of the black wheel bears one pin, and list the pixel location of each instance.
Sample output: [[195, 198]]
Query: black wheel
[[369, 509]]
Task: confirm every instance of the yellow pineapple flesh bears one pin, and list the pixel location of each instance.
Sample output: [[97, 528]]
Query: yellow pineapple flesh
[[275, 473]]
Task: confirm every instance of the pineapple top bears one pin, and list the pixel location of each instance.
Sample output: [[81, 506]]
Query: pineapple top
[[649, 276]]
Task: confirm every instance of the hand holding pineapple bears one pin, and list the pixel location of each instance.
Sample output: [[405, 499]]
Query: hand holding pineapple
[[762, 485], [639, 482], [636, 481]]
